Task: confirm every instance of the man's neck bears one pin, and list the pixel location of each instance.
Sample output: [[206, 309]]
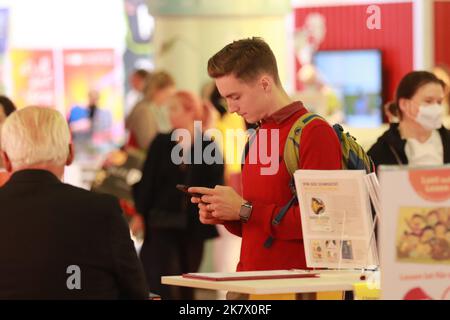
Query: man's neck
[[281, 100], [58, 171]]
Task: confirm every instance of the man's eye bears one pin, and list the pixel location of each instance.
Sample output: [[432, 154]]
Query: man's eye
[[236, 98]]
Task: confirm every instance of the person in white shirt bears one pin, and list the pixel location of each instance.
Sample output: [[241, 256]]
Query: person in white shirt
[[419, 139]]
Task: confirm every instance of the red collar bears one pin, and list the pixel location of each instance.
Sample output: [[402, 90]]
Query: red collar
[[284, 113]]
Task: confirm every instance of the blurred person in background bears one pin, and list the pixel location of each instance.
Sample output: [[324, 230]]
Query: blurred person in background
[[227, 246], [91, 126], [318, 96], [224, 121], [150, 116], [390, 112], [135, 94], [174, 238], [6, 108], [443, 72], [419, 139], [72, 244], [147, 118]]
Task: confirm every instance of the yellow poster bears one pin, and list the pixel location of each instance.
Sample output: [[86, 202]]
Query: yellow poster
[[33, 77]]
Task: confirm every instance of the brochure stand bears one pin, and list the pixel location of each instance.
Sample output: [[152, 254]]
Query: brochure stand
[[337, 224]]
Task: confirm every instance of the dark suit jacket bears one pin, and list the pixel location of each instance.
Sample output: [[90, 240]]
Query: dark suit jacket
[[47, 226]]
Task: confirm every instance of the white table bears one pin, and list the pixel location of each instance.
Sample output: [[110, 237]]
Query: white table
[[329, 285]]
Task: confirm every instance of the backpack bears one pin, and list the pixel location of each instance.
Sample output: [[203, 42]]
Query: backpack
[[353, 158], [353, 155]]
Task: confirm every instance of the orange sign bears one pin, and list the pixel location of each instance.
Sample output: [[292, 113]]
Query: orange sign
[[432, 185]]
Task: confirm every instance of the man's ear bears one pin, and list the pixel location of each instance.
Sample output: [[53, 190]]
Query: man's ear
[[266, 84], [6, 162], [71, 155]]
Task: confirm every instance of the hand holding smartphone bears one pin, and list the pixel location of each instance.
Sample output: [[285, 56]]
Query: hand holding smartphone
[[185, 188]]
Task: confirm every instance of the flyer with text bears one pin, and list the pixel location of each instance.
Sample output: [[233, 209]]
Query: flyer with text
[[415, 233], [336, 219]]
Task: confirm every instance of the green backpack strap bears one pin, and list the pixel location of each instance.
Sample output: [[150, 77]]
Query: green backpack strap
[[291, 157], [291, 148]]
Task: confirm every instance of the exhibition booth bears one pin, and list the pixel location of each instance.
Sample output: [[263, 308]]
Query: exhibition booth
[[378, 236]]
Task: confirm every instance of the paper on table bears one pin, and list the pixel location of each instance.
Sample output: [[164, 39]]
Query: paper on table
[[251, 275]]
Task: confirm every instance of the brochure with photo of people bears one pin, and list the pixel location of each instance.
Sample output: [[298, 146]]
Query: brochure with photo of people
[[415, 232], [337, 221]]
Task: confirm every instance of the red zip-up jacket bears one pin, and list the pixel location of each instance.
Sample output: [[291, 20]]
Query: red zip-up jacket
[[319, 149]]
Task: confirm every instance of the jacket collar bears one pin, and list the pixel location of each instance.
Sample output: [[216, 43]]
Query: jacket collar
[[395, 142], [393, 138], [443, 132], [283, 114], [34, 175]]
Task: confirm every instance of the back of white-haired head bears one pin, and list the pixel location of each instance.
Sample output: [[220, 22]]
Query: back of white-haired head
[[35, 135]]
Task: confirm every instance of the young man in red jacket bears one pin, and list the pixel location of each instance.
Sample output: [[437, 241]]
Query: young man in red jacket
[[246, 75]]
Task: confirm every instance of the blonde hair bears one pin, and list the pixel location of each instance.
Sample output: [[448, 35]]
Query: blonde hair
[[156, 81], [35, 135]]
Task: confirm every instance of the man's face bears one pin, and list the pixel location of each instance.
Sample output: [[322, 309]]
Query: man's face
[[248, 99], [137, 82], [2, 114]]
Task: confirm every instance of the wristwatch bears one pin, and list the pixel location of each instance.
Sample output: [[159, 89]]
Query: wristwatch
[[245, 212]]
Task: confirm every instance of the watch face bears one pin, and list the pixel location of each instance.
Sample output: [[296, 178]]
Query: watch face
[[246, 210]]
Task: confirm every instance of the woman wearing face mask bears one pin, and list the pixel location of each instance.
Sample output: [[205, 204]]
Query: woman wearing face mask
[[419, 138]]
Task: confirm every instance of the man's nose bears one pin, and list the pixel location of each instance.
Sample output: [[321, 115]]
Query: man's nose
[[232, 107]]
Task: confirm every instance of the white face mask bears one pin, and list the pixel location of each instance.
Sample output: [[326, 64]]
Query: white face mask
[[430, 116], [395, 119]]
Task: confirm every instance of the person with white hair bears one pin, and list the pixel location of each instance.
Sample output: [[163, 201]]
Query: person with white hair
[[58, 241]]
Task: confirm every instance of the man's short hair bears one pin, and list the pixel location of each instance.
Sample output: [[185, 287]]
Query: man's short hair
[[35, 135], [246, 59], [141, 73]]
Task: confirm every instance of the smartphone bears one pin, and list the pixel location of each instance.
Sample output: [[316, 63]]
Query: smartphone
[[153, 296], [185, 188]]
